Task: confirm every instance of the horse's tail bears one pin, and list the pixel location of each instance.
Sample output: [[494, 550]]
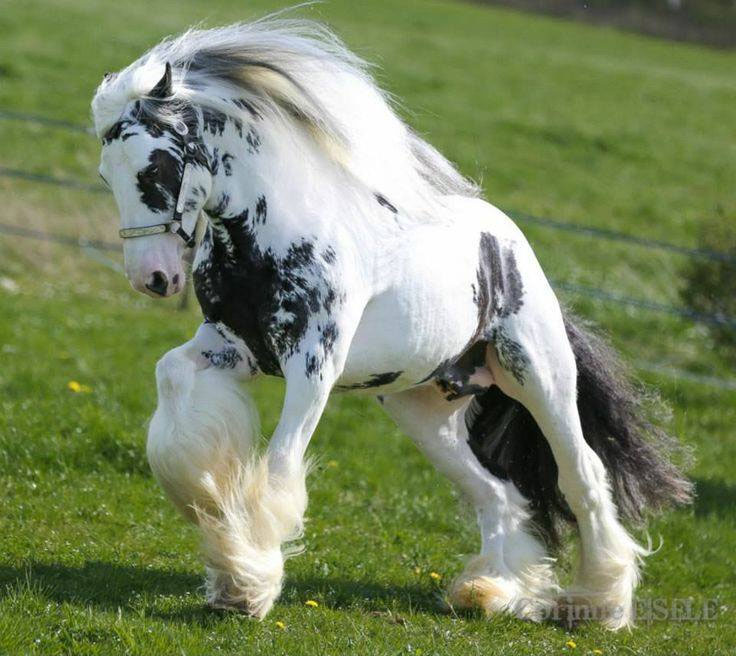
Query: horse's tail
[[614, 412]]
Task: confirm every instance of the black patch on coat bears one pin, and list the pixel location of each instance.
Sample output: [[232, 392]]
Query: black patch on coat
[[227, 358], [383, 201], [253, 139], [261, 210], [511, 355], [499, 292], [158, 183], [215, 161], [213, 121], [117, 131], [453, 376], [498, 295], [227, 166], [328, 337], [221, 207], [328, 255], [265, 299], [312, 364], [376, 380], [329, 300]]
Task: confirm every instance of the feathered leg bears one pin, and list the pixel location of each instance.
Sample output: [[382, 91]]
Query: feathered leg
[[511, 573], [201, 447]]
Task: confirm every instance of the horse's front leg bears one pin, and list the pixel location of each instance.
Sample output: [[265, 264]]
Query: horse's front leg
[[273, 487], [201, 441], [204, 419]]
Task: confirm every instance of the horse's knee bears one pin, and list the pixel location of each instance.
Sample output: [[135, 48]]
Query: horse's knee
[[174, 376], [203, 421]]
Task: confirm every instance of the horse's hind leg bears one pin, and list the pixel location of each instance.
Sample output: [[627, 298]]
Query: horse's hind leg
[[532, 361], [510, 573], [200, 448]]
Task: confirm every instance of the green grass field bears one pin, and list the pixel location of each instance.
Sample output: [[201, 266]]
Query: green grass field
[[556, 119]]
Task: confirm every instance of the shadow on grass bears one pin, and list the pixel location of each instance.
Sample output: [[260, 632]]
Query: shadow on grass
[[344, 594], [715, 497], [335, 594], [108, 587], [96, 583]]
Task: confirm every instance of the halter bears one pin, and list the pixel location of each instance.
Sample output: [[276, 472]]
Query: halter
[[185, 229]]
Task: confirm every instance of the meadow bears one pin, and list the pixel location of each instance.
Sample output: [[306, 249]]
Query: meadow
[[556, 119]]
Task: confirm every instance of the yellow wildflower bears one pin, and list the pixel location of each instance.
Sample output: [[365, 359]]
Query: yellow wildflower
[[571, 644], [311, 603], [597, 652], [280, 624], [435, 576], [76, 387], [417, 570]]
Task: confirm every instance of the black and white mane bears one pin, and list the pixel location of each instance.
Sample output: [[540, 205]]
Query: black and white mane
[[291, 71]]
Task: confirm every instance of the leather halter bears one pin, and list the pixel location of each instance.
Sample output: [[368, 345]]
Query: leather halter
[[179, 225]]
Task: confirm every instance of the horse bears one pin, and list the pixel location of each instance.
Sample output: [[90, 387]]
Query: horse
[[339, 250]]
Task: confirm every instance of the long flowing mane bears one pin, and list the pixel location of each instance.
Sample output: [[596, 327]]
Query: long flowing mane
[[296, 71]]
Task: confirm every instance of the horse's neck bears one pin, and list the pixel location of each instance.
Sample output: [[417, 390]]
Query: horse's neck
[[305, 186]]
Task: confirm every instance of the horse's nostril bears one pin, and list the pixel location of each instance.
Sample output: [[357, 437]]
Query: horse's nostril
[[158, 283], [175, 280]]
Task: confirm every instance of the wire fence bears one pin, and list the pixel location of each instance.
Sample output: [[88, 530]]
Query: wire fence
[[575, 288], [522, 217], [69, 183], [10, 115], [66, 240], [615, 235], [94, 248]]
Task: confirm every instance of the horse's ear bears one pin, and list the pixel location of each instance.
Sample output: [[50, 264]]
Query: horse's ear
[[163, 88]]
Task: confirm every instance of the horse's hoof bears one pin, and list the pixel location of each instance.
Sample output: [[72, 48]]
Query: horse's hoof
[[223, 606]]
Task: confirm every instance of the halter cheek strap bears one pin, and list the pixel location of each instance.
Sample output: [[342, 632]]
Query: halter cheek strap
[[185, 224], [182, 223]]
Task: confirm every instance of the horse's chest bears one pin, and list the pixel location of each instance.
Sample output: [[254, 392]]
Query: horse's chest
[[265, 298]]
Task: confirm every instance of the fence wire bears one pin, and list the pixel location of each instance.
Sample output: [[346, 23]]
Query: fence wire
[[90, 246], [522, 217]]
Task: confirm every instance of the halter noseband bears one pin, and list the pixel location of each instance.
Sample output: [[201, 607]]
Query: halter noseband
[[177, 224]]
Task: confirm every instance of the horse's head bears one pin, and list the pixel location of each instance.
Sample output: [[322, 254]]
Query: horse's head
[[155, 164]]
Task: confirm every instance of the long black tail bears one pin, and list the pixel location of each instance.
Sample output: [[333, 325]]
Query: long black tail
[[615, 415]]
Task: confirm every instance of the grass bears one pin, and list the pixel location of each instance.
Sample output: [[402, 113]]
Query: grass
[[558, 119]]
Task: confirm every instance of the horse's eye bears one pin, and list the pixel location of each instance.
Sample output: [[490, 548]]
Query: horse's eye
[[153, 170]]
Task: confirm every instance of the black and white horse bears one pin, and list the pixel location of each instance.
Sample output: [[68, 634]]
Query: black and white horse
[[344, 253]]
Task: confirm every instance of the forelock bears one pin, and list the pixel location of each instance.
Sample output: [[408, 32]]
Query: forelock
[[117, 91]]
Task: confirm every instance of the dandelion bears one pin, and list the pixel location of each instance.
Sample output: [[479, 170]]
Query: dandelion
[[78, 388], [311, 603], [435, 576], [572, 644], [598, 652], [280, 625]]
